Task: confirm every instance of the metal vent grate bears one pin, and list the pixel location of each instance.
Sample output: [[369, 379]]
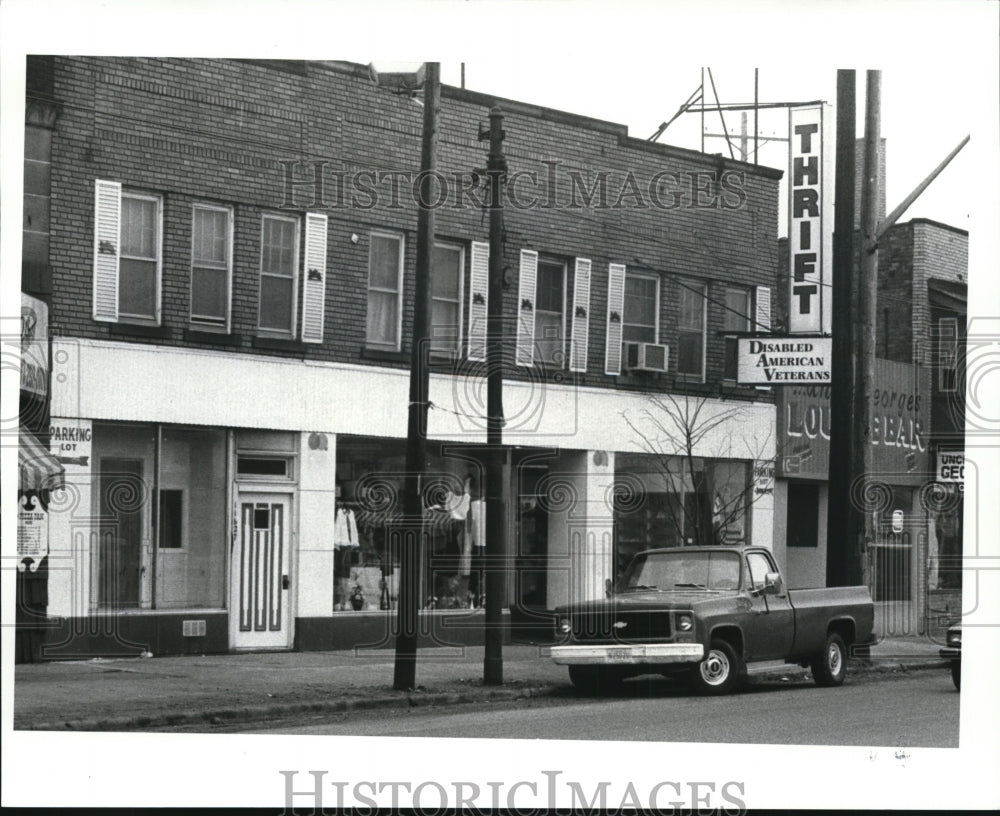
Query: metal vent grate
[[194, 628]]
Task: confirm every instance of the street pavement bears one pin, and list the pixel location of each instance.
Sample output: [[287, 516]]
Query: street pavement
[[156, 692]]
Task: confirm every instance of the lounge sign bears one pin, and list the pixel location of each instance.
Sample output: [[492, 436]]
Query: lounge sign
[[783, 360], [810, 220]]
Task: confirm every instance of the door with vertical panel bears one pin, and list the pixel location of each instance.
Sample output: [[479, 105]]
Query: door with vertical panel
[[260, 577]]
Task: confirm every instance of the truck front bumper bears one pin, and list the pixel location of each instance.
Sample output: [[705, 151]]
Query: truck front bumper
[[631, 654]]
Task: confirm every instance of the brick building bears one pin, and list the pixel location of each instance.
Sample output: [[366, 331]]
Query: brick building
[[914, 565], [228, 261]]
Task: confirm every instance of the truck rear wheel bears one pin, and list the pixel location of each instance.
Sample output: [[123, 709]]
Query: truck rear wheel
[[830, 666], [720, 671], [596, 679], [956, 673]]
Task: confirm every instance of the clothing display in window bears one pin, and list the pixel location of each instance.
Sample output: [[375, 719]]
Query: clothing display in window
[[345, 529]]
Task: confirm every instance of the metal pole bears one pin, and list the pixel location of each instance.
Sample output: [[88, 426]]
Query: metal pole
[[867, 318], [842, 367], [496, 522], [893, 217], [411, 544], [756, 100], [702, 110]]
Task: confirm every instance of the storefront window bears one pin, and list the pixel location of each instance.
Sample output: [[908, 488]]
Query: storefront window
[[673, 501], [190, 572], [370, 484], [181, 509]]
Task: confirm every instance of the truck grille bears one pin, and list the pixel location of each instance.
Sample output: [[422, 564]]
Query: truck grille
[[622, 626]]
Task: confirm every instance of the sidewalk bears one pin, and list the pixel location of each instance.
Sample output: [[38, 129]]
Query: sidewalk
[[137, 693]]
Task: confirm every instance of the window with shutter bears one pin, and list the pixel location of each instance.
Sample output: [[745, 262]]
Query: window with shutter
[[279, 251], [211, 266], [479, 292], [550, 317], [107, 245], [526, 307], [139, 263], [735, 319], [616, 309], [763, 310], [446, 300], [314, 279], [127, 235], [580, 320]]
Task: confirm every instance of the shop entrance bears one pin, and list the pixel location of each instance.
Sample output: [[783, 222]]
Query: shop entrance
[[123, 571], [259, 572]]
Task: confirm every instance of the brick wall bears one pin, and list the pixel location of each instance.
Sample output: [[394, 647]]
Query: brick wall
[[221, 131], [909, 255]]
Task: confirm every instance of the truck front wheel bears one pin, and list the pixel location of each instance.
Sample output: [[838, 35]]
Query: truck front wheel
[[830, 666], [720, 670]]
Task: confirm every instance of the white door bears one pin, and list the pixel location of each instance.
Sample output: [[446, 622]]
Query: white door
[[260, 579]]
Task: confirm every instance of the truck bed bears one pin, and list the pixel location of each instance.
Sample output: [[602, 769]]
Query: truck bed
[[815, 608]]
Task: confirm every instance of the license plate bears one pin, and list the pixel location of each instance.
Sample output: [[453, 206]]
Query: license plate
[[619, 654]]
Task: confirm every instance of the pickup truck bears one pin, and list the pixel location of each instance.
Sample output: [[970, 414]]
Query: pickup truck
[[711, 612]]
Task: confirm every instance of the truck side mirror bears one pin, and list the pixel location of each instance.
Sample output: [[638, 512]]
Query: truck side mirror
[[772, 583], [609, 588]]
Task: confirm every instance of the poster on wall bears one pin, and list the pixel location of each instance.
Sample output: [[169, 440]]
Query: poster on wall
[[32, 532]]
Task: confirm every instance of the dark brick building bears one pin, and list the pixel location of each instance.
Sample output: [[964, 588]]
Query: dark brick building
[[228, 250], [920, 417]]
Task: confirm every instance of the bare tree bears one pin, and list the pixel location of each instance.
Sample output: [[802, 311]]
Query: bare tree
[[681, 432]]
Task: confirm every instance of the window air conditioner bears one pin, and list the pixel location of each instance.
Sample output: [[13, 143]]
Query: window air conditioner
[[645, 356]]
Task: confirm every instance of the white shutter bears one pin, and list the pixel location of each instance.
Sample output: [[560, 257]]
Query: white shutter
[[526, 307], [479, 298], [581, 316], [762, 320], [616, 313], [107, 248], [314, 279]]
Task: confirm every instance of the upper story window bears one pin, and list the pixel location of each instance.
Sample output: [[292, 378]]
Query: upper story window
[[550, 312], [211, 265], [279, 252], [139, 265], [947, 357], [691, 330], [446, 300], [736, 319], [385, 289], [641, 320]]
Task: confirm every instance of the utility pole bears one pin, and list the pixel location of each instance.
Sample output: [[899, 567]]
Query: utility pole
[[864, 373], [840, 532], [412, 529], [496, 522]]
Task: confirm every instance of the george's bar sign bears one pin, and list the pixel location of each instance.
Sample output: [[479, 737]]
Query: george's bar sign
[[810, 220]]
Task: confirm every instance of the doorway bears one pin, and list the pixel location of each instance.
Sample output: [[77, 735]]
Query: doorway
[[260, 578]]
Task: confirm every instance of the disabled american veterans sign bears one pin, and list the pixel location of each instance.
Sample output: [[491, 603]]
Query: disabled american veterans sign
[[794, 360]]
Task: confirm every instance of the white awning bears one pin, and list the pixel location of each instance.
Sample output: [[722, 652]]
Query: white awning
[[37, 469]]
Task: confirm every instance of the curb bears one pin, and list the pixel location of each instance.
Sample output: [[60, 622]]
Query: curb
[[241, 714]]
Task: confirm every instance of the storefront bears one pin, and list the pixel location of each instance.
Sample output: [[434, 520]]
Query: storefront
[[194, 520], [673, 501], [895, 492]]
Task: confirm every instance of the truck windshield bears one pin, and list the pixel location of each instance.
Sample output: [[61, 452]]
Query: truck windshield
[[682, 570]]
